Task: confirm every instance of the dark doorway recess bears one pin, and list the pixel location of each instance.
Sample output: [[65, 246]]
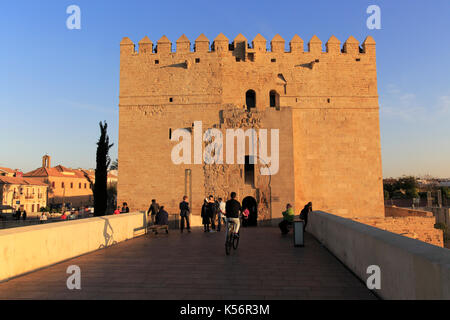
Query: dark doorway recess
[[250, 99], [252, 206]]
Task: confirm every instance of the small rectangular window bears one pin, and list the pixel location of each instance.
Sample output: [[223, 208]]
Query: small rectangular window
[[156, 61], [170, 99], [170, 134], [273, 60], [197, 60], [238, 59]]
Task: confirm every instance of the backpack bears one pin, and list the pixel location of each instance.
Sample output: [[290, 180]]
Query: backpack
[[246, 213]]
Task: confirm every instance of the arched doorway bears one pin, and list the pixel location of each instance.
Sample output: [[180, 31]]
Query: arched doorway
[[252, 206], [250, 99]]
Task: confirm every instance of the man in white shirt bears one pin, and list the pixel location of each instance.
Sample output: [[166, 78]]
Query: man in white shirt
[[221, 213]]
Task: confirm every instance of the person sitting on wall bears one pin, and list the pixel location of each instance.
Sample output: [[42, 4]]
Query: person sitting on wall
[[288, 218], [162, 217], [125, 208], [304, 214], [117, 211]]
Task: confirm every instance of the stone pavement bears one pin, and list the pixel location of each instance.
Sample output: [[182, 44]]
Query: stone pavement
[[194, 266]]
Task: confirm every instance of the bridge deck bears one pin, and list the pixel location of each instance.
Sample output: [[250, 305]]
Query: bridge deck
[[194, 266]]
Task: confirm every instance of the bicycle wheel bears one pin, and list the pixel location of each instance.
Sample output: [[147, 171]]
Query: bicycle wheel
[[228, 243], [235, 242]]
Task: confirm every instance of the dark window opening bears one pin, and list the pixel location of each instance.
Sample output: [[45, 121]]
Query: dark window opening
[[170, 134], [251, 56], [328, 100], [317, 60], [274, 99], [249, 171], [170, 99], [273, 60], [238, 59], [358, 59], [250, 99], [197, 60], [156, 61]]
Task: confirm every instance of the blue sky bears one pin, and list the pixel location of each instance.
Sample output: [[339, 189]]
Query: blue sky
[[57, 84]]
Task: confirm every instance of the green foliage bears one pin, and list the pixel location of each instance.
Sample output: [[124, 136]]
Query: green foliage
[[402, 188], [386, 195], [440, 225], [445, 192]]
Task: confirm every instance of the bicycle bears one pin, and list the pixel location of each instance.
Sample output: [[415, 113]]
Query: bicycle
[[231, 240]]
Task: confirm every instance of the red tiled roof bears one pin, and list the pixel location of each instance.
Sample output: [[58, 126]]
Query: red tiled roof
[[21, 181], [58, 171], [8, 170]]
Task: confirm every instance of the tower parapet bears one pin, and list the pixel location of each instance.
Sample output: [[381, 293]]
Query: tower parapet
[[239, 47], [296, 45], [315, 45], [277, 44]]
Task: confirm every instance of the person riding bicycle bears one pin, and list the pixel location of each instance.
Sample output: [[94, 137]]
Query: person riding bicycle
[[232, 211]]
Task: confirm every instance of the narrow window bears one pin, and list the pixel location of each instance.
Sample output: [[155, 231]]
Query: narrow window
[[249, 171], [62, 185], [250, 99], [85, 185], [71, 185], [274, 99], [197, 60], [170, 99], [273, 60], [79, 185], [328, 100], [53, 184], [156, 61], [170, 134]]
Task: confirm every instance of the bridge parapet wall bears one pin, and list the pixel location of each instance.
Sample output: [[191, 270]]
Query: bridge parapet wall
[[30, 248], [410, 269]]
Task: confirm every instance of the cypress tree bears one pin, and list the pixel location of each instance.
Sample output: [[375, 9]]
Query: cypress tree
[[101, 171]]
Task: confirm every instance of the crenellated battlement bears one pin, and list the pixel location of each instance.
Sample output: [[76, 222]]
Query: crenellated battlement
[[240, 46]]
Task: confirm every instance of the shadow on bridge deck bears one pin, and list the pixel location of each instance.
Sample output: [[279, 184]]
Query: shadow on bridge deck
[[194, 266]]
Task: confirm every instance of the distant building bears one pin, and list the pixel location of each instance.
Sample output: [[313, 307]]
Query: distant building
[[7, 172], [69, 186], [28, 194]]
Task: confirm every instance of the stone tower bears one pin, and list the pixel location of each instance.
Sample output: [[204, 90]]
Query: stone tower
[[324, 105]]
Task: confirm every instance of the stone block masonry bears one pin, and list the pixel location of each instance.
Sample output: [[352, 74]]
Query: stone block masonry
[[325, 104]]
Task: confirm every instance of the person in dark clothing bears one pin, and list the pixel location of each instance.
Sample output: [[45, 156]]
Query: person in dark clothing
[[24, 215], [304, 214], [232, 210], [184, 214], [18, 214], [162, 217], [153, 210], [205, 217], [125, 208], [212, 212]]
